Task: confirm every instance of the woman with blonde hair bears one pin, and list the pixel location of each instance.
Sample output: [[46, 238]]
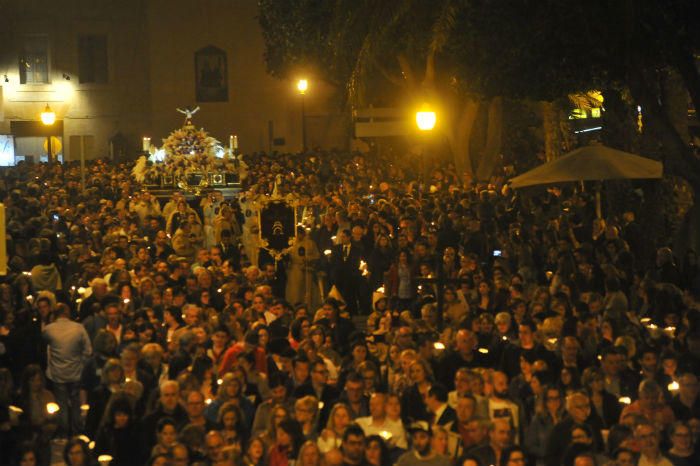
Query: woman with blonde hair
[[309, 455], [399, 380], [306, 414], [332, 436]]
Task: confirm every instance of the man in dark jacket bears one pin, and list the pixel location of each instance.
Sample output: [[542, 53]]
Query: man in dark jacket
[[578, 407], [168, 406]]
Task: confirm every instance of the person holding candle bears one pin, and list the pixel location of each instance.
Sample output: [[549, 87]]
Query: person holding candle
[[36, 422], [77, 453], [119, 435]]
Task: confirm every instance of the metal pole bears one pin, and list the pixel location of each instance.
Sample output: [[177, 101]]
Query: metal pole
[[48, 150], [82, 163], [303, 125]]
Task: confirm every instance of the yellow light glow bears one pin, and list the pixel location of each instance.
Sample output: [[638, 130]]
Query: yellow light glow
[[625, 400], [425, 119], [438, 345], [16, 410], [48, 116], [64, 90], [52, 408], [302, 86], [673, 386], [385, 434]]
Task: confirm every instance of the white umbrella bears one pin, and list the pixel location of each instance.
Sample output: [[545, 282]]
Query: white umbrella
[[590, 163]]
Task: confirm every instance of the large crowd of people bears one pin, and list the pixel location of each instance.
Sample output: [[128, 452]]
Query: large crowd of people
[[145, 331]]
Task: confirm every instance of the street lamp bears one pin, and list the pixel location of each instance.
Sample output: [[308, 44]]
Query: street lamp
[[425, 119], [48, 118], [302, 87]]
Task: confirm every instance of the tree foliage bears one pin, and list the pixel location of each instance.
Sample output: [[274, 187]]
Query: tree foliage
[[467, 54]]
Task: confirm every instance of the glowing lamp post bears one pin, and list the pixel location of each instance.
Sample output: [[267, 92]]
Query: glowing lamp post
[[48, 118], [425, 119], [302, 87]]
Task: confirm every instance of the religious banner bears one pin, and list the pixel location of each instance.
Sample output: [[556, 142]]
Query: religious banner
[[277, 222]]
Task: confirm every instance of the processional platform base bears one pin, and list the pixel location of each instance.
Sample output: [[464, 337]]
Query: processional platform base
[[165, 185]]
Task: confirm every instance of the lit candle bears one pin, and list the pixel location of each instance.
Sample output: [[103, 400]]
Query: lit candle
[[52, 408], [15, 412], [146, 143], [438, 345], [235, 142], [104, 460], [230, 142]]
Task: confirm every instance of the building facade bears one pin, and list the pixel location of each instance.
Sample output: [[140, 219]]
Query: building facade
[[115, 71]]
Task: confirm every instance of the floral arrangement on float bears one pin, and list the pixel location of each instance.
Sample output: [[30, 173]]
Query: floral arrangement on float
[[188, 151]]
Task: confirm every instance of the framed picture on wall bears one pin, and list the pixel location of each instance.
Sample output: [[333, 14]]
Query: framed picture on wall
[[211, 75]]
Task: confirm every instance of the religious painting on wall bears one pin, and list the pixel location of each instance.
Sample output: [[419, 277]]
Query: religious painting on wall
[[211, 75]]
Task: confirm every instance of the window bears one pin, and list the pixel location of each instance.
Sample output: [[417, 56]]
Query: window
[[92, 59], [34, 61]]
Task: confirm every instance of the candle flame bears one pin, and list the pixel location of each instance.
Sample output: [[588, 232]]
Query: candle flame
[[52, 408]]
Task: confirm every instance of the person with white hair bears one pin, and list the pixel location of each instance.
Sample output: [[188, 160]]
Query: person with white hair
[[168, 406], [98, 290]]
